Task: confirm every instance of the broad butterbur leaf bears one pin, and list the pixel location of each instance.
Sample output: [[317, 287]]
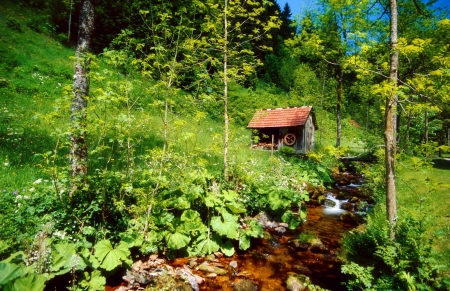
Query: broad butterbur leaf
[[31, 282], [9, 272], [244, 241], [110, 257], [253, 228], [228, 248], [292, 220], [64, 258], [236, 207], [226, 225], [177, 240], [94, 282], [208, 245]]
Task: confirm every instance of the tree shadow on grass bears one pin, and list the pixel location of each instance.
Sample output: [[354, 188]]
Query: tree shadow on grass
[[443, 163]]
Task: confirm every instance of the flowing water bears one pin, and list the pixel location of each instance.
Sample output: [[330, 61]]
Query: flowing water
[[270, 261]]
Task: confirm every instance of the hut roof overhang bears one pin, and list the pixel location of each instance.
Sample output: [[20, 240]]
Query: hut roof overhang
[[282, 117]]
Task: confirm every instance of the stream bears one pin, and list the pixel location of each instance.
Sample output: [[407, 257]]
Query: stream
[[270, 260]]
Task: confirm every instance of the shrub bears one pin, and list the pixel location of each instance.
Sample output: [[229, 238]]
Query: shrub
[[377, 262]]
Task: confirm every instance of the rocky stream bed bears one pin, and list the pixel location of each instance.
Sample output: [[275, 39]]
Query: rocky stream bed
[[279, 261]]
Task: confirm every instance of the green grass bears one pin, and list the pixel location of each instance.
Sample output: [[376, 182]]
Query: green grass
[[33, 69], [424, 191]]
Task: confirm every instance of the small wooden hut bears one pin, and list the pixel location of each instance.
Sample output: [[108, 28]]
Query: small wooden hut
[[278, 127]]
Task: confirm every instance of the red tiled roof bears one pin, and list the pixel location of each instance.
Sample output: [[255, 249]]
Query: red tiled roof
[[280, 117]]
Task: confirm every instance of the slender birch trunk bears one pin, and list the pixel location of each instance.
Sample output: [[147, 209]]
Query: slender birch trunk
[[78, 107], [225, 94], [390, 131]]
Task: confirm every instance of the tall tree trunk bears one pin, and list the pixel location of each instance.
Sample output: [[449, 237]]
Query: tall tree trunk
[[338, 107], [78, 106], [408, 127], [70, 22], [389, 133], [426, 127], [225, 94]]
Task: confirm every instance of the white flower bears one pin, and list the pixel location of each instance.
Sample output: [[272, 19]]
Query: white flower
[[6, 164], [38, 181], [31, 189]]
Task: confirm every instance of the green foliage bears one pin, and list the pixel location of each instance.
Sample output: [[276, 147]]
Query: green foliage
[[15, 276], [109, 257], [404, 263]]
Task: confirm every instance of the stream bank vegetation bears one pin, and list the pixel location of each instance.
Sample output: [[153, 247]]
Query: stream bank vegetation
[[156, 183]]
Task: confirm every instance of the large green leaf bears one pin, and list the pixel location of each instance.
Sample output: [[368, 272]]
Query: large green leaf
[[226, 224], [177, 240], [244, 241], [277, 202], [9, 272], [208, 245], [110, 257], [211, 200], [230, 195], [253, 228], [94, 282], [64, 258], [31, 282], [236, 207], [292, 220], [191, 222], [228, 248], [132, 239]]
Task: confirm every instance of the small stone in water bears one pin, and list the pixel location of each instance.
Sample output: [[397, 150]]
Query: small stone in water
[[280, 229], [244, 285]]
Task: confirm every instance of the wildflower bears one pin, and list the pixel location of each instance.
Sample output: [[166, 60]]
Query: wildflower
[[38, 181], [31, 189], [6, 164]]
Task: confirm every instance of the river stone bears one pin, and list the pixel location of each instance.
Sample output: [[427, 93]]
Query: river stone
[[284, 224], [347, 206], [351, 217], [186, 273], [233, 267], [354, 199], [297, 282], [317, 246], [301, 246], [280, 229], [244, 285], [329, 203], [132, 277], [205, 267], [342, 196]]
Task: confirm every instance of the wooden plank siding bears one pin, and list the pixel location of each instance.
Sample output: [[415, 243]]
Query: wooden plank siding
[[284, 125]]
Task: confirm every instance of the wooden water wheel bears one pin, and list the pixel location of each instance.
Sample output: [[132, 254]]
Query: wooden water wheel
[[289, 139]]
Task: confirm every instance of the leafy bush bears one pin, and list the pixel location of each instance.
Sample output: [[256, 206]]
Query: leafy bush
[[377, 262]]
